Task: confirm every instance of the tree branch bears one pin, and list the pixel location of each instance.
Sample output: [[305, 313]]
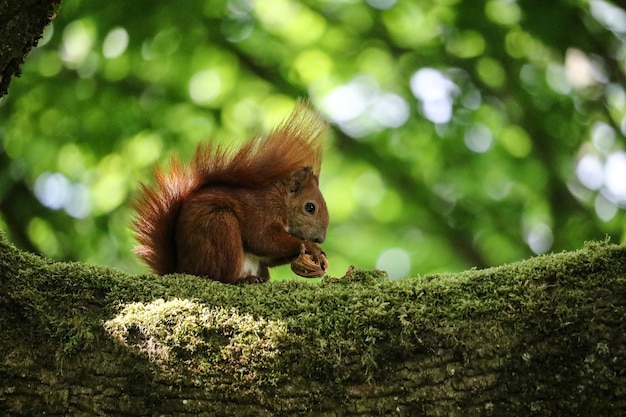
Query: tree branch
[[544, 337], [21, 25]]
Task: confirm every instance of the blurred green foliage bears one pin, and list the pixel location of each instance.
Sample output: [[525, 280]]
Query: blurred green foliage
[[466, 134]]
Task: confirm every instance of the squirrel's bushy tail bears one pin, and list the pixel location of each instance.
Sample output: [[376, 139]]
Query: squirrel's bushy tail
[[157, 210], [296, 143]]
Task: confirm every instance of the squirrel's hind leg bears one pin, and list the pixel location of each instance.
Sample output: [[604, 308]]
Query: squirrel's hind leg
[[209, 243]]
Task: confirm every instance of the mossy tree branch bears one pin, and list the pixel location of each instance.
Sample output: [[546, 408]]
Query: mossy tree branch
[[21, 25], [544, 337]]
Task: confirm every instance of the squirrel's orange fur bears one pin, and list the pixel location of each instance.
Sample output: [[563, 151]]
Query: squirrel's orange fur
[[228, 210]]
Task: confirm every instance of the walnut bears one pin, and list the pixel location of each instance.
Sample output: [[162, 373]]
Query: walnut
[[305, 266]]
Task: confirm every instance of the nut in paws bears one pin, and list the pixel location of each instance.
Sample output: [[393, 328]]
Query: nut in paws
[[305, 266]]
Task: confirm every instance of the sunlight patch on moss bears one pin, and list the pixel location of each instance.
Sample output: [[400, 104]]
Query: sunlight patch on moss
[[182, 331]]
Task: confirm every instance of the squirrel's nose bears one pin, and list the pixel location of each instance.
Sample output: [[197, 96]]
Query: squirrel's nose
[[320, 239]]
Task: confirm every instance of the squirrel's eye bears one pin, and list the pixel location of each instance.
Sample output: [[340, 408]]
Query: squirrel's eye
[[310, 208]]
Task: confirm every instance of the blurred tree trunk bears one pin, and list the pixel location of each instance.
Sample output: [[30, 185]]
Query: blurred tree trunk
[[542, 337], [21, 26]]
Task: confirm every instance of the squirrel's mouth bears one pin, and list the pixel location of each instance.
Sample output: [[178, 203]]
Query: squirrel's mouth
[[320, 239], [315, 239]]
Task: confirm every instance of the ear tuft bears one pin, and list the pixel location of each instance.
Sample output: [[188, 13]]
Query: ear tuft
[[299, 180]]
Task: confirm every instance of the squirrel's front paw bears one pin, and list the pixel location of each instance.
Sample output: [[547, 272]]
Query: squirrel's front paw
[[311, 263]]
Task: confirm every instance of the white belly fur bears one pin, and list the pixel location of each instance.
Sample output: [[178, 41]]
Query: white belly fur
[[251, 265]]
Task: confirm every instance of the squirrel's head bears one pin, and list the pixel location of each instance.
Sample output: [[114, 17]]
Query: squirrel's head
[[308, 215]]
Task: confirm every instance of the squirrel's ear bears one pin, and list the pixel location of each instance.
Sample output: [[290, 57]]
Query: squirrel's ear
[[299, 180]]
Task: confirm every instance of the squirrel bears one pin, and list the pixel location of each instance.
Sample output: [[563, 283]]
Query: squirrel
[[230, 215]]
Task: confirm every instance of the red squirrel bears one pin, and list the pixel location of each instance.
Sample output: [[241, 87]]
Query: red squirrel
[[230, 215]]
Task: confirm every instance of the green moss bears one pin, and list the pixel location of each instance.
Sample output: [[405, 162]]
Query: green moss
[[344, 331], [206, 339]]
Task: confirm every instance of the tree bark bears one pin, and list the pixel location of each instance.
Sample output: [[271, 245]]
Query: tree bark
[[21, 26], [542, 337]]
